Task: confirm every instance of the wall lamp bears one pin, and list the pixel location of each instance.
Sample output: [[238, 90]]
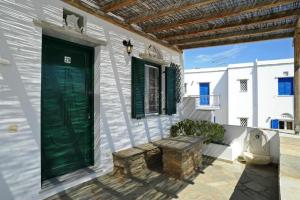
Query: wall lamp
[[128, 46]]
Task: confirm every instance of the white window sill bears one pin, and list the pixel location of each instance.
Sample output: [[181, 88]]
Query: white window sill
[[151, 115], [285, 95]]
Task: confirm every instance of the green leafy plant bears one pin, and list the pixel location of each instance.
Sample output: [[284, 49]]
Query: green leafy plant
[[212, 131]]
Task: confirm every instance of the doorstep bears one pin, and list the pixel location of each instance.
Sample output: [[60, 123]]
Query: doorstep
[[58, 184]]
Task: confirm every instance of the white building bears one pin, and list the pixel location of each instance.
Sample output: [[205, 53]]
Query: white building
[[258, 94], [108, 82]]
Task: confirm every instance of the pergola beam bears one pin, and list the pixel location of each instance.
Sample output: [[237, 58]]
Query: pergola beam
[[253, 22], [235, 40], [117, 5], [78, 4], [168, 11], [236, 33], [297, 78], [200, 20]]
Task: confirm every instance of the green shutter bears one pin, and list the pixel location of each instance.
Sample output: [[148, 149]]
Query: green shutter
[[170, 90], [137, 88]]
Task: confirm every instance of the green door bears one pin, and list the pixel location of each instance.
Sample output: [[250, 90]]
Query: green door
[[67, 107]]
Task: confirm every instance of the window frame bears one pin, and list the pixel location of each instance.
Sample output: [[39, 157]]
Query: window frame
[[244, 118], [151, 65], [291, 93], [285, 124], [246, 81], [204, 100]]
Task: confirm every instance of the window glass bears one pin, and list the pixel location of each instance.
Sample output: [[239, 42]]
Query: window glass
[[286, 86], [281, 124], [151, 90]]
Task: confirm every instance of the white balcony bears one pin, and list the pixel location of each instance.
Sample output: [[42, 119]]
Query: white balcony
[[207, 102]]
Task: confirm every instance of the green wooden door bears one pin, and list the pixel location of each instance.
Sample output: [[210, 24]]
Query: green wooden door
[[67, 107]]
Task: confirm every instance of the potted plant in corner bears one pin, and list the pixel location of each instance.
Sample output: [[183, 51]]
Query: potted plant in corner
[[214, 133]]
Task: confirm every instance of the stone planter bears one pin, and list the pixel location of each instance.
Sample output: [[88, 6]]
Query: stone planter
[[219, 151]]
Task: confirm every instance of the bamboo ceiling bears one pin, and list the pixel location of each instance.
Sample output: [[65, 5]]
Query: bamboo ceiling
[[185, 24]]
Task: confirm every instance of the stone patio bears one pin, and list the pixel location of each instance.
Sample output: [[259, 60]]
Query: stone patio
[[217, 180]]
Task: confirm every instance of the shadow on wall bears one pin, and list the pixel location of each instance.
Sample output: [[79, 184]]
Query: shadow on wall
[[221, 89], [20, 82], [115, 99], [20, 95], [189, 112]]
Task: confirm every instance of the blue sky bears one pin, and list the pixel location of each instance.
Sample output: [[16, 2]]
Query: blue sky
[[221, 56]]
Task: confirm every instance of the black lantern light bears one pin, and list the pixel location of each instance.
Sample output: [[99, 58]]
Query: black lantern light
[[128, 46]]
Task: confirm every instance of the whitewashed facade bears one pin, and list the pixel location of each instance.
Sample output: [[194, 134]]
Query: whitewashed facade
[[20, 96], [257, 104]]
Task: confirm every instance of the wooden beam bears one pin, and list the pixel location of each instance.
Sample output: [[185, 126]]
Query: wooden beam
[[267, 19], [234, 40], [297, 78], [78, 4], [236, 33], [200, 20], [232, 37], [168, 11], [117, 5]]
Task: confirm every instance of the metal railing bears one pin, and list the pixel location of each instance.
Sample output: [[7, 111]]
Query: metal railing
[[207, 102]]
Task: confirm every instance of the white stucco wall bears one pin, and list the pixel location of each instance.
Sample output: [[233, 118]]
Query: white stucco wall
[[20, 88], [240, 103], [270, 105], [217, 79], [259, 104]]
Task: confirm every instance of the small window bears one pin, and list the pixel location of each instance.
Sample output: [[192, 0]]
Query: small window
[[281, 124], [244, 122], [289, 125], [243, 85], [151, 90], [185, 88], [286, 86]]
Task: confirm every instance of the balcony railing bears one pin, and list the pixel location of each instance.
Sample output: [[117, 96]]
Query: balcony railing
[[207, 102]]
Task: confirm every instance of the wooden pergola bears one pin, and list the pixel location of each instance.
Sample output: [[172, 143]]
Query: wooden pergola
[[185, 24]]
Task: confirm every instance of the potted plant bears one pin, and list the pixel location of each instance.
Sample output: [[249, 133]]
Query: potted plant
[[214, 145]]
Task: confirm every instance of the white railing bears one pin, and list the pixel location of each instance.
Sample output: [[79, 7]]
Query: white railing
[[207, 102]]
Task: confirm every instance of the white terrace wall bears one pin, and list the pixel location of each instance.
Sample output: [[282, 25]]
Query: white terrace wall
[[236, 137], [20, 94]]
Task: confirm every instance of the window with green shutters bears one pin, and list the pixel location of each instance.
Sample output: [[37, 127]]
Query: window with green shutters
[[146, 89], [170, 90], [138, 88]]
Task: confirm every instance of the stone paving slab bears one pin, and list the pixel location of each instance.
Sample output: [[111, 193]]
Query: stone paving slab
[[217, 181], [289, 166]]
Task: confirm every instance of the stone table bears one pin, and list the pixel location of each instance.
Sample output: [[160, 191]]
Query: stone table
[[182, 155]]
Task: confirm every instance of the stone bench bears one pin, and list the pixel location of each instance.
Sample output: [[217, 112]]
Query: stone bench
[[137, 159], [182, 156]]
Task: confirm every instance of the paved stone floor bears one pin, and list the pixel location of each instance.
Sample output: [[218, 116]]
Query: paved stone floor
[[217, 180], [289, 167]]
